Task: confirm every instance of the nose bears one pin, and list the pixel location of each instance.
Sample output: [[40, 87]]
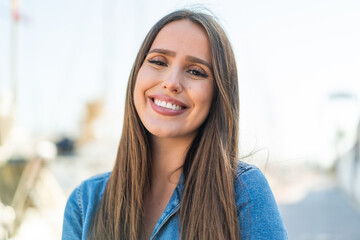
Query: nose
[[172, 82]]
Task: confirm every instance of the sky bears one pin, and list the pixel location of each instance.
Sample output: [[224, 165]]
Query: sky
[[291, 56]]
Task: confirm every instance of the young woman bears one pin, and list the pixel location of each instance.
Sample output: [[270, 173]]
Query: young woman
[[177, 173]]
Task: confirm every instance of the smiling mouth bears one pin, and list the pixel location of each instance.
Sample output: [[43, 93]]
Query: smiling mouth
[[167, 105]]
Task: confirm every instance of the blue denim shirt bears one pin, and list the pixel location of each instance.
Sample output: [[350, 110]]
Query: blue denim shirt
[[258, 214]]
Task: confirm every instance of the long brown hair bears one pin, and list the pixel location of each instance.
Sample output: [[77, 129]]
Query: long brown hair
[[207, 209]]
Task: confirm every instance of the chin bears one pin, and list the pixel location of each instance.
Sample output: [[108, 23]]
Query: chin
[[164, 134], [171, 134]]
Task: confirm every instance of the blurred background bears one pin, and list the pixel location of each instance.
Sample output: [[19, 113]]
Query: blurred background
[[64, 67]]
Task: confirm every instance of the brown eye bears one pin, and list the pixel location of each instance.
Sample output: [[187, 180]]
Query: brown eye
[[198, 72], [157, 62]]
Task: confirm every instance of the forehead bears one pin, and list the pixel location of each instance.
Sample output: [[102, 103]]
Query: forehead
[[184, 37]]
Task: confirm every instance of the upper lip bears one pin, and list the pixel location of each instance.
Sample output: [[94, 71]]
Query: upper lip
[[168, 99]]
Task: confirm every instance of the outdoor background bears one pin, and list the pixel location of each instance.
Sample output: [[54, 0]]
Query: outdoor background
[[64, 67]]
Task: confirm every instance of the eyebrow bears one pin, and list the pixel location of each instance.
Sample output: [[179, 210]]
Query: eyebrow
[[163, 51], [198, 60], [188, 58]]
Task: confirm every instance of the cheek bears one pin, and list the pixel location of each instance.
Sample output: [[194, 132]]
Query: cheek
[[141, 84], [146, 78], [202, 96], [205, 95], [138, 94]]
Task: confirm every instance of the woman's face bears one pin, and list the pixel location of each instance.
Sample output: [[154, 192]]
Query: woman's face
[[174, 86]]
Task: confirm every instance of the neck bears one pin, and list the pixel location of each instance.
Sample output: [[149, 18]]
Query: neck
[[168, 155]]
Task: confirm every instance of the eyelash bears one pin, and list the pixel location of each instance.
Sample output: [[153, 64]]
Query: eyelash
[[197, 73], [191, 71], [157, 62]]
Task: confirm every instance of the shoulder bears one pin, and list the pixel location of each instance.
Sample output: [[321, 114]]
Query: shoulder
[[243, 167], [94, 184], [258, 213], [91, 190], [250, 176], [251, 185], [82, 204]]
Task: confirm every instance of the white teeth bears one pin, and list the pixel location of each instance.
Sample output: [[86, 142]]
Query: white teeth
[[167, 105]]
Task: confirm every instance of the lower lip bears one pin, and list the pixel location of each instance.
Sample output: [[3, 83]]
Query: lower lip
[[165, 111]]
